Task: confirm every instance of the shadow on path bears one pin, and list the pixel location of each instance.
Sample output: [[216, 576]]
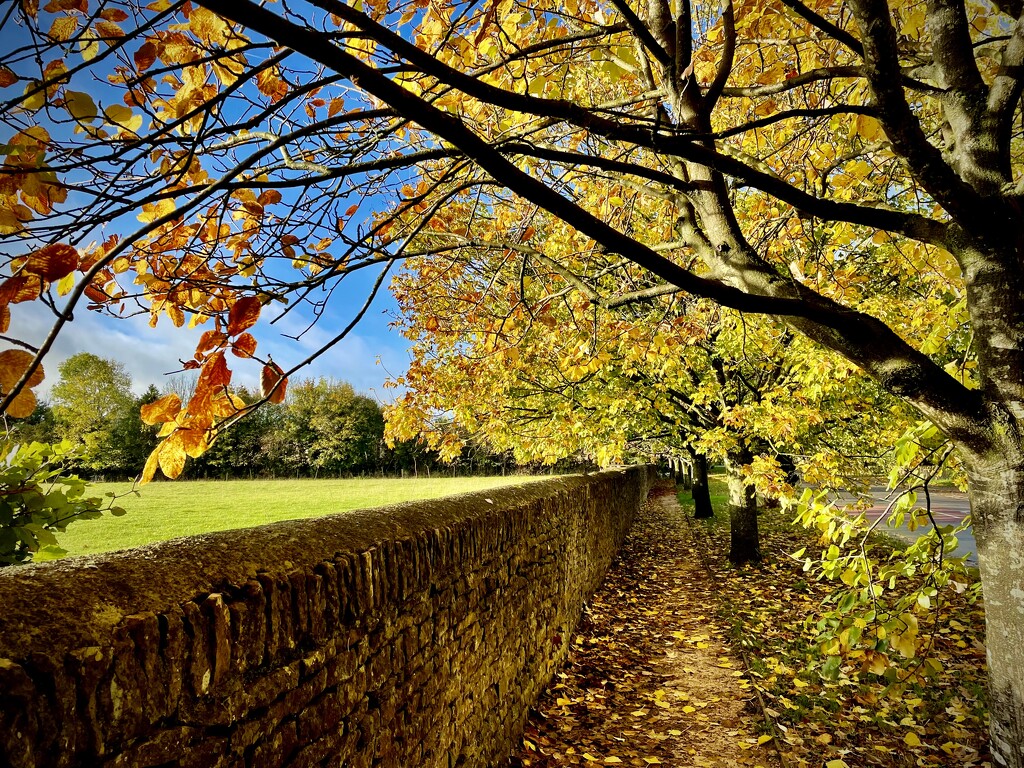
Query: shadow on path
[[650, 680]]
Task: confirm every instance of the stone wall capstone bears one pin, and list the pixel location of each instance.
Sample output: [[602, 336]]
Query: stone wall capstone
[[406, 636]]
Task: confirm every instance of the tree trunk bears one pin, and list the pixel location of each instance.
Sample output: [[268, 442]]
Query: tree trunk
[[745, 540], [997, 508], [700, 491], [683, 472]]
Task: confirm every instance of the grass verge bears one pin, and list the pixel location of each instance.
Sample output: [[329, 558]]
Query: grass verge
[[162, 511], [918, 715]]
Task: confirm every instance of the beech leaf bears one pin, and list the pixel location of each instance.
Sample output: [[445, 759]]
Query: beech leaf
[[53, 262], [159, 411], [243, 314]]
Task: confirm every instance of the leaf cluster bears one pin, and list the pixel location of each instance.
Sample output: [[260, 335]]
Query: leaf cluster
[[39, 496]]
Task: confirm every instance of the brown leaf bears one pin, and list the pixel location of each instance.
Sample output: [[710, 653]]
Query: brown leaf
[[5, 318], [244, 314], [53, 262], [244, 346], [159, 411], [20, 288], [145, 56], [23, 405], [271, 375], [7, 77], [13, 363], [55, 6]]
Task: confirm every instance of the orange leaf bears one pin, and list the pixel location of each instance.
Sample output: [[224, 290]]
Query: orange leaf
[[244, 314], [53, 262], [7, 77], [270, 84], [244, 346], [20, 288], [159, 411], [145, 56], [215, 375], [23, 405], [272, 374], [96, 294], [209, 341], [151, 464], [193, 441], [13, 363], [269, 197], [5, 318], [172, 456]]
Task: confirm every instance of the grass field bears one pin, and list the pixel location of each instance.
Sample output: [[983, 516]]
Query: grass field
[[166, 510]]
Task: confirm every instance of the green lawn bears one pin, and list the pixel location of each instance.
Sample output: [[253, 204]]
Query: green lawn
[[166, 510]]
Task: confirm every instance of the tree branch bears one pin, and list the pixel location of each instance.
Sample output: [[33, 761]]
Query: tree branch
[[826, 26], [642, 32], [881, 53]]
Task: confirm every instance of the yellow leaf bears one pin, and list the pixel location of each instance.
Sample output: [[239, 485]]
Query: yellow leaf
[[764, 739], [912, 740], [172, 457], [90, 48], [868, 128], [66, 284], [836, 764], [152, 211], [35, 96], [118, 114], [151, 464], [164, 409], [207, 26], [80, 105], [612, 760]]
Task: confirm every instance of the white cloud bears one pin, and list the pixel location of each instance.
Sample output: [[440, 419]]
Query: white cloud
[[149, 354]]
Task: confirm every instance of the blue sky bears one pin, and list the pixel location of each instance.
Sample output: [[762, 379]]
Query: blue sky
[[364, 359], [149, 354]]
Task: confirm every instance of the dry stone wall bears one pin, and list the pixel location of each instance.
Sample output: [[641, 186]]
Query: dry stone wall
[[414, 635]]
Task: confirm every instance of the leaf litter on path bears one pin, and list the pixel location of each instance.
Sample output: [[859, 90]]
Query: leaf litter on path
[[650, 679]]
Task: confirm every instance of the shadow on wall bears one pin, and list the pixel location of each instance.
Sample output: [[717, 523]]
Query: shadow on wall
[[413, 635]]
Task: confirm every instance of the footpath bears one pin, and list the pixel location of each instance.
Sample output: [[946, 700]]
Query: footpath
[[650, 679]]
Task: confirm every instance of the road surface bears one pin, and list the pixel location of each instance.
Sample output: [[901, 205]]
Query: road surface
[[948, 508]]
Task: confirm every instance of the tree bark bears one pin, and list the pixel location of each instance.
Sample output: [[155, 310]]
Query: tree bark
[[745, 540], [997, 507], [700, 491]]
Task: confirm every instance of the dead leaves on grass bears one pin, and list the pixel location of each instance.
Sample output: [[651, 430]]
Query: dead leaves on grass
[[835, 711], [647, 682]]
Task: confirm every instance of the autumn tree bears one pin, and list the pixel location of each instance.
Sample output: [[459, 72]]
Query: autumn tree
[[207, 168]]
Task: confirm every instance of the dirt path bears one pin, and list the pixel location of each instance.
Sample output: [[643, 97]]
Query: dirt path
[[650, 680]]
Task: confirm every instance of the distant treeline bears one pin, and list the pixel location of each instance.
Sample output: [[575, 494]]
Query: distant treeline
[[323, 429]]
